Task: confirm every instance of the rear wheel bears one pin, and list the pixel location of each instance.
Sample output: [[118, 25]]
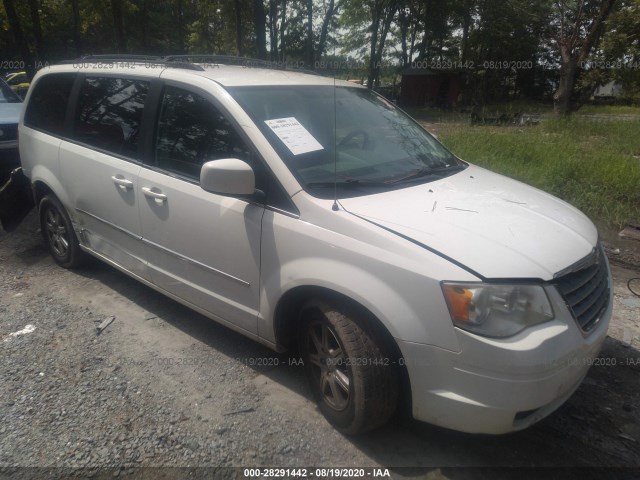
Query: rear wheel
[[58, 234], [352, 378]]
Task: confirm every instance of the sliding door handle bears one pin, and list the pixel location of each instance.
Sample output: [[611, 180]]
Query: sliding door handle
[[122, 182]]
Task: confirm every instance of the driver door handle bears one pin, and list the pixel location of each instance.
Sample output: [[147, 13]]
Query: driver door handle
[[155, 195]]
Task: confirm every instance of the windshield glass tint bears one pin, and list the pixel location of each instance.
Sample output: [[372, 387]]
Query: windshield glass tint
[[375, 144]]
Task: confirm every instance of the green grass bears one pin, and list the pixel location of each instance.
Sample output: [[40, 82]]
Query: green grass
[[540, 108], [592, 165], [490, 110], [610, 110]]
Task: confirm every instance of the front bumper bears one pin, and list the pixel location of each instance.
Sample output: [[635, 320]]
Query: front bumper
[[502, 385]]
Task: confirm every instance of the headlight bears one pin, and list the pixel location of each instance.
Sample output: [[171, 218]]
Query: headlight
[[496, 310]]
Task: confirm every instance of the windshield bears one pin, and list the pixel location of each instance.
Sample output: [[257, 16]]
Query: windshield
[[375, 145], [7, 95]]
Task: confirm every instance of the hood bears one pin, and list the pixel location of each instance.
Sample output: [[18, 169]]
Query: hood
[[496, 226], [10, 113]]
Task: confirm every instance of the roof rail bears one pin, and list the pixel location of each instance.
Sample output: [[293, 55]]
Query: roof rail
[[122, 57], [185, 65], [125, 58], [239, 61], [219, 59], [190, 62]]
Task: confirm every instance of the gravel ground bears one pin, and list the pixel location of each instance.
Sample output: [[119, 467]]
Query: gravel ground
[[164, 387]]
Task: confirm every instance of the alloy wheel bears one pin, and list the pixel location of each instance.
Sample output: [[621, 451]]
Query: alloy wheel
[[56, 232], [329, 364]]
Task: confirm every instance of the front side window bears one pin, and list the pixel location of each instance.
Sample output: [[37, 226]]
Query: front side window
[[48, 102], [109, 114], [192, 131]]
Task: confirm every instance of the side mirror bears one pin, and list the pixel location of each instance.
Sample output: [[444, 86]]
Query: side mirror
[[229, 176]]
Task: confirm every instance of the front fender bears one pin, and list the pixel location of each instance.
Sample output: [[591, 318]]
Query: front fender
[[408, 303]]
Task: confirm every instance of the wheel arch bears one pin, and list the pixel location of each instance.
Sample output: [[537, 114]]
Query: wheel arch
[[286, 322], [39, 190], [289, 307], [44, 182]]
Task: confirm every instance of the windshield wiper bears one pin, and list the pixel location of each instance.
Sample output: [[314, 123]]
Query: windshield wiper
[[429, 172], [350, 183], [421, 173]]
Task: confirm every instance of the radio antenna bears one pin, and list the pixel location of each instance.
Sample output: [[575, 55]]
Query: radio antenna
[[335, 207]]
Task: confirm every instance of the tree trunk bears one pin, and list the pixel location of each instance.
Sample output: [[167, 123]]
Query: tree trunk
[[180, 21], [375, 25], [118, 25], [466, 25], [383, 11], [238, 11], [575, 41], [423, 51], [260, 26], [383, 38], [562, 96], [404, 29], [77, 39], [205, 21], [273, 29], [310, 59], [412, 46], [37, 28], [18, 35], [144, 24], [322, 43], [283, 26]]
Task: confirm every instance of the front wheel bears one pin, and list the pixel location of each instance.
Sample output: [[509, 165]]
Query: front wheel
[[352, 378], [58, 234]]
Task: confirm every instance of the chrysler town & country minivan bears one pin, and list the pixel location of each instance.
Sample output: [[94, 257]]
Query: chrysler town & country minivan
[[311, 213]]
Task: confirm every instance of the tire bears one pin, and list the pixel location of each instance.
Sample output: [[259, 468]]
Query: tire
[[354, 381], [58, 233]]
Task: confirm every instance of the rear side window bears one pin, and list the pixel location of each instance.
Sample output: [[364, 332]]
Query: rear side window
[[48, 103], [192, 131], [109, 114]]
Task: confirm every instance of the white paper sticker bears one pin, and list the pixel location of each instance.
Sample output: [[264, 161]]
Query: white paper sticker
[[294, 135]]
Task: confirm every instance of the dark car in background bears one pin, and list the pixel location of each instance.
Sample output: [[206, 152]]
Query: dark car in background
[[10, 109], [19, 82]]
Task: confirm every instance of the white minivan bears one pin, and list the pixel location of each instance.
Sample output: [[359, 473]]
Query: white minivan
[[313, 214]]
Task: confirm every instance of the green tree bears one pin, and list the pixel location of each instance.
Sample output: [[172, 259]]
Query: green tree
[[369, 26], [410, 25], [503, 44], [15, 25], [621, 48], [576, 28], [329, 12]]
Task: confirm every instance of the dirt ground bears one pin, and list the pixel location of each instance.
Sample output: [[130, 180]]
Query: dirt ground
[[165, 387]]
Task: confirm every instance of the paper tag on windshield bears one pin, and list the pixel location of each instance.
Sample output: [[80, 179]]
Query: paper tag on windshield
[[294, 135]]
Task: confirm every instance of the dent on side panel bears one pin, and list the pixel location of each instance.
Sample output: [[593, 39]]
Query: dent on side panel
[[105, 213]]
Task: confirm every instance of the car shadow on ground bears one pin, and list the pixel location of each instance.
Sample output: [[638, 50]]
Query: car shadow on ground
[[598, 427]]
